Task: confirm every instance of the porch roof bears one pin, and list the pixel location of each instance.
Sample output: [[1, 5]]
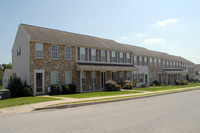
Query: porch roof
[[105, 68]]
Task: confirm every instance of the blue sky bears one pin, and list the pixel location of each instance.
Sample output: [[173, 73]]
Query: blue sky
[[171, 26]]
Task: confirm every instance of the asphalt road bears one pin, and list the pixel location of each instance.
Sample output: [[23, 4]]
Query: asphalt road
[[173, 113]]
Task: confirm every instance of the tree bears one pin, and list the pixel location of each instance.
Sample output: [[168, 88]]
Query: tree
[[187, 77]]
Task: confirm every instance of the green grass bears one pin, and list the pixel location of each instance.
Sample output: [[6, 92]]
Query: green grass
[[1, 87], [24, 100], [98, 94], [160, 88]]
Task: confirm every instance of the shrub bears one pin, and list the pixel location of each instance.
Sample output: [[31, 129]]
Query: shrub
[[55, 89], [72, 88], [143, 85], [117, 88], [128, 81], [154, 85], [177, 82], [18, 88], [65, 89], [197, 80], [156, 82], [185, 82], [135, 83], [109, 85], [128, 86]]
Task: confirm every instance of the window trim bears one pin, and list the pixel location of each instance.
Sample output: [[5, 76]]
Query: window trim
[[54, 78], [70, 78], [68, 52], [39, 51], [54, 51]]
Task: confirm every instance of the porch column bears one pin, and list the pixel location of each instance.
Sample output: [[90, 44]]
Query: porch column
[[167, 79], [92, 80], [81, 89]]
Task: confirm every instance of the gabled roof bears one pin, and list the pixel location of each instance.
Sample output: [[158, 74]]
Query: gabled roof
[[56, 36]]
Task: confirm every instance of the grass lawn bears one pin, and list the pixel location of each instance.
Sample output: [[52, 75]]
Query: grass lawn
[[97, 94], [1, 87], [160, 88], [24, 100]]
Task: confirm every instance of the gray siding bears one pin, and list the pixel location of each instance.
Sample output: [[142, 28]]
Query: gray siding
[[21, 64]]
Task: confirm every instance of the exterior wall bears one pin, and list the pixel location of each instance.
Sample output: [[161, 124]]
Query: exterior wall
[[20, 64], [5, 80], [61, 65]]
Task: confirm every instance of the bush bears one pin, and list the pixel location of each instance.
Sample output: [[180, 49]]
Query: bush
[[185, 82], [55, 89], [128, 86], [177, 82], [65, 89], [117, 88], [18, 88], [143, 85], [197, 80], [156, 82], [72, 88], [109, 85], [135, 83]]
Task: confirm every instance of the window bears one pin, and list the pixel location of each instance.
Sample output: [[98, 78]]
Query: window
[[121, 56], [94, 76], [151, 64], [140, 60], [114, 57], [68, 77], [54, 51], [145, 61], [54, 77], [94, 55], [155, 62], [141, 77], [159, 62], [121, 74], [163, 63], [103, 55], [83, 78], [39, 50], [167, 64], [128, 58], [155, 76], [82, 54], [135, 60], [171, 64], [114, 76], [68, 53], [19, 51], [135, 77], [128, 76], [151, 77]]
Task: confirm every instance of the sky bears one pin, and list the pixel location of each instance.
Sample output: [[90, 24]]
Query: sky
[[170, 26]]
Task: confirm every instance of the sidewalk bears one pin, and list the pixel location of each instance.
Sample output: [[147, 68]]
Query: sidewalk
[[42, 105]]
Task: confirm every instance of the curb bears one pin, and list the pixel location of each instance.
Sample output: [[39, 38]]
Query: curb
[[107, 101]]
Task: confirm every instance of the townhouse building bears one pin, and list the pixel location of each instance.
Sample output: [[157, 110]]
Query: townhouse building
[[197, 71], [43, 57]]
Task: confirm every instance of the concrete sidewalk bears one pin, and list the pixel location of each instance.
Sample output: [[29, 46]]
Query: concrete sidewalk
[[42, 105]]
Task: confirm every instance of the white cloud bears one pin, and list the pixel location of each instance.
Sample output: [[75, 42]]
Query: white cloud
[[124, 37], [140, 35], [154, 40], [165, 22]]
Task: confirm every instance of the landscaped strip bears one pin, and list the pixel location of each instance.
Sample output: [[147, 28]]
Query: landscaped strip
[[24, 100], [124, 97], [98, 94]]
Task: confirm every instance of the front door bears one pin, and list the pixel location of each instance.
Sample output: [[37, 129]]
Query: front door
[[39, 82], [39, 85], [103, 79]]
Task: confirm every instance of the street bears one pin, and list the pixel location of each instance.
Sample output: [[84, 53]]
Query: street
[[172, 113]]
